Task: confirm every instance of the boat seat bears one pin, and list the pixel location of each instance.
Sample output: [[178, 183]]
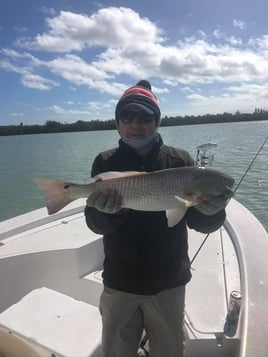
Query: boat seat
[[48, 323]]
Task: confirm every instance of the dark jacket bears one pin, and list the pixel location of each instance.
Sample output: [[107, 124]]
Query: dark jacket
[[142, 254]]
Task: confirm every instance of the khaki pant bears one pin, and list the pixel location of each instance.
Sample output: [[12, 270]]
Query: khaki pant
[[125, 315]]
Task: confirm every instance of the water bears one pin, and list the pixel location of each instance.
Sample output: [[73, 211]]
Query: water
[[69, 156]]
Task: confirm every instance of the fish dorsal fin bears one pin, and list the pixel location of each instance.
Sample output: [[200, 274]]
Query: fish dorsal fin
[[114, 174], [175, 215]]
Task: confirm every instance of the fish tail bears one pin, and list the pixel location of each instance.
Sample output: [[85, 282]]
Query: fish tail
[[56, 193]]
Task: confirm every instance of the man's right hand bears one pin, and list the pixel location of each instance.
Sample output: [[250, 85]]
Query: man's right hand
[[105, 201]]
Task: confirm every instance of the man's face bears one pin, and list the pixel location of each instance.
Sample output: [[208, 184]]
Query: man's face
[[135, 123]]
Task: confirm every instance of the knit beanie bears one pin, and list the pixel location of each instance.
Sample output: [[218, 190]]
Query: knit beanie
[[140, 95]]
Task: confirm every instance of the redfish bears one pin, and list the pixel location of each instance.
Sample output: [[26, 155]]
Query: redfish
[[171, 190]]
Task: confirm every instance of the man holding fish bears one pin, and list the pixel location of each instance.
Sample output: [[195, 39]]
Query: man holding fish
[[146, 264], [142, 197]]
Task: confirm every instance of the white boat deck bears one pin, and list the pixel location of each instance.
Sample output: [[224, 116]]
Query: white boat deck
[[61, 254]]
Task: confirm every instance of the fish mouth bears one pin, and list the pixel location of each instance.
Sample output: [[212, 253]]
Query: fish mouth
[[229, 192], [226, 192]]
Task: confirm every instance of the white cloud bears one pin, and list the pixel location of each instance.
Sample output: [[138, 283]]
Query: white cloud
[[16, 114], [187, 89], [48, 11], [113, 27], [21, 29], [74, 69], [245, 97], [240, 24], [234, 41], [63, 111], [35, 81], [77, 111], [113, 31], [260, 44], [202, 34], [218, 33]]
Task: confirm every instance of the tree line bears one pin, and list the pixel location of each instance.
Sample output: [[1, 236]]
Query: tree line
[[52, 126]]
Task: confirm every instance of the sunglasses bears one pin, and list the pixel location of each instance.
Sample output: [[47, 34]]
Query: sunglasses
[[127, 117]]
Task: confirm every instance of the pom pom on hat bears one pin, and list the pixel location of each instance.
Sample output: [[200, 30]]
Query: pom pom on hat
[[141, 96], [145, 84]]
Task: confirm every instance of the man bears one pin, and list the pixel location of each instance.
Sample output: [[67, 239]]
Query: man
[[146, 265]]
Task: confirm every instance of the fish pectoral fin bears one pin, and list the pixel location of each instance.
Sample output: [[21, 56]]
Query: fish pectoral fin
[[175, 215], [187, 203]]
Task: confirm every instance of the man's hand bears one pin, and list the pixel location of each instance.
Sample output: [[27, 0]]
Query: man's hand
[[210, 205], [105, 201]]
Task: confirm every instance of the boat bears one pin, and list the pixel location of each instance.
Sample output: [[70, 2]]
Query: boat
[[50, 285]]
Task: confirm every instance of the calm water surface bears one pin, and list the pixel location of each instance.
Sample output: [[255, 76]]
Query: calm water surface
[[69, 156]]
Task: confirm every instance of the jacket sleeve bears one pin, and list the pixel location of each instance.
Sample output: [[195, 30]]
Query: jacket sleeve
[[99, 222], [203, 223]]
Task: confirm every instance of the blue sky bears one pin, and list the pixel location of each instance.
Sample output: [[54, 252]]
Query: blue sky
[[71, 60]]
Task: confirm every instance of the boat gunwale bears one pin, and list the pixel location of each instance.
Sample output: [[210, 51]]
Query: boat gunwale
[[241, 237]]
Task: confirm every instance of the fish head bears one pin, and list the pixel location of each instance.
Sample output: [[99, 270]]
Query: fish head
[[206, 182]]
